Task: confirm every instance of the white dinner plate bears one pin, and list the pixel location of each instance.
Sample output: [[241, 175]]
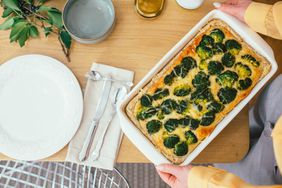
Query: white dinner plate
[[41, 107]]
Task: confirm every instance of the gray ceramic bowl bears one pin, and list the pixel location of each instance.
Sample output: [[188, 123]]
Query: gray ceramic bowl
[[89, 21]]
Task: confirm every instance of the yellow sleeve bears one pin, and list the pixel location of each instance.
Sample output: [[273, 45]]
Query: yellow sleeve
[[209, 177], [277, 142], [265, 19]]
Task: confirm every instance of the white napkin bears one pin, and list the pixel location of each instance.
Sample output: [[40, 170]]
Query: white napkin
[[113, 136]]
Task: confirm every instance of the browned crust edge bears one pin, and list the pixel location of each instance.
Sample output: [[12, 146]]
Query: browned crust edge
[[265, 66]]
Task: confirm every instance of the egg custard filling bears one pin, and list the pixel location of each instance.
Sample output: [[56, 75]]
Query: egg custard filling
[[183, 103]]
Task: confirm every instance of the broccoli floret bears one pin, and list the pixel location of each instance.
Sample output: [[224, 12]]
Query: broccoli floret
[[153, 126], [160, 93], [182, 90], [215, 67], [184, 122], [207, 41], [218, 48], [201, 80], [171, 141], [215, 107], [203, 65], [168, 106], [194, 124], [228, 59], [168, 79], [206, 95], [181, 149], [146, 113], [217, 35], [251, 59], [233, 46], [227, 95], [244, 84], [171, 124], [146, 100], [243, 70], [227, 78], [207, 118], [188, 121], [180, 71], [182, 106], [189, 63], [204, 52], [191, 137], [202, 94]]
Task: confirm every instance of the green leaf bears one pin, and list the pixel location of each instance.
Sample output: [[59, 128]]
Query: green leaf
[[7, 24], [16, 30], [18, 19], [7, 11], [47, 31], [23, 36], [56, 17], [43, 8], [33, 31], [12, 4], [66, 39]]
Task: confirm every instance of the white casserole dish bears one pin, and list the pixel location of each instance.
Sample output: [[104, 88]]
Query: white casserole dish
[[249, 36]]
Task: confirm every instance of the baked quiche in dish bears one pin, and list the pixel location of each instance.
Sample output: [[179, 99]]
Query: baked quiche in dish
[[194, 91]]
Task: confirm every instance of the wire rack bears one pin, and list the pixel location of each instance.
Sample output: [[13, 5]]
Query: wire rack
[[19, 174]]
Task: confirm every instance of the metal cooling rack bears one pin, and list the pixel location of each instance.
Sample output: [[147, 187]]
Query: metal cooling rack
[[19, 174]]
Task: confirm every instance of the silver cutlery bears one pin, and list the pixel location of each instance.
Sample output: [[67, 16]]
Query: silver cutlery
[[96, 76], [120, 93], [101, 106]]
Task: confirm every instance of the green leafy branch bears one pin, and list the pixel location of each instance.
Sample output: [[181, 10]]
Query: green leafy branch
[[24, 17]]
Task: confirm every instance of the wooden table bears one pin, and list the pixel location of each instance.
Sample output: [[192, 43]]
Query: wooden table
[[137, 44]]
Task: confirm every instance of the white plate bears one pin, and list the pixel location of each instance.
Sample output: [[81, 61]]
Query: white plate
[[40, 107], [249, 36]]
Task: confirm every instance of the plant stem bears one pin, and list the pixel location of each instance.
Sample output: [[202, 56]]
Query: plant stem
[[38, 17]]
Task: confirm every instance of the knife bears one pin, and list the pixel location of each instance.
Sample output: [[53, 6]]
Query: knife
[[120, 94], [101, 106]]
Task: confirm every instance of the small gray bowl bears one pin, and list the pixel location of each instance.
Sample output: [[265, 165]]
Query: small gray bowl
[[89, 21]]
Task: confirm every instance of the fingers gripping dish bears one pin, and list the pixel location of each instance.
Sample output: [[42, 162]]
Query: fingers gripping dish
[[184, 102]]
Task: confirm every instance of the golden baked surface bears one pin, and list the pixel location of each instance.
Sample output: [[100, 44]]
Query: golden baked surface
[[182, 105]]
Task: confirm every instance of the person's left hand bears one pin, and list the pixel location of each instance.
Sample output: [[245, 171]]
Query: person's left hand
[[236, 8], [174, 176]]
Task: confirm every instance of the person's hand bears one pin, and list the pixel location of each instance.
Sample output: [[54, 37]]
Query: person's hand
[[174, 176], [236, 8]]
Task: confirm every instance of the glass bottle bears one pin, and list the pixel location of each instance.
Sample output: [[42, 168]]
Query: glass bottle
[[149, 8]]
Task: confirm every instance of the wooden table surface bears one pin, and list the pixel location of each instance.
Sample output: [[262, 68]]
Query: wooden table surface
[[137, 44]]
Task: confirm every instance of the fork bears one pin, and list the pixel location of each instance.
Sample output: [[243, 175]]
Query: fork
[[96, 76], [96, 153]]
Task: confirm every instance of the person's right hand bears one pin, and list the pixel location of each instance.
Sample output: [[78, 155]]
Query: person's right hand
[[174, 176], [236, 8]]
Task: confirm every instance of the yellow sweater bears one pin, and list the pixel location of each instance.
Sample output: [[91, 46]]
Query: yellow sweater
[[265, 19]]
